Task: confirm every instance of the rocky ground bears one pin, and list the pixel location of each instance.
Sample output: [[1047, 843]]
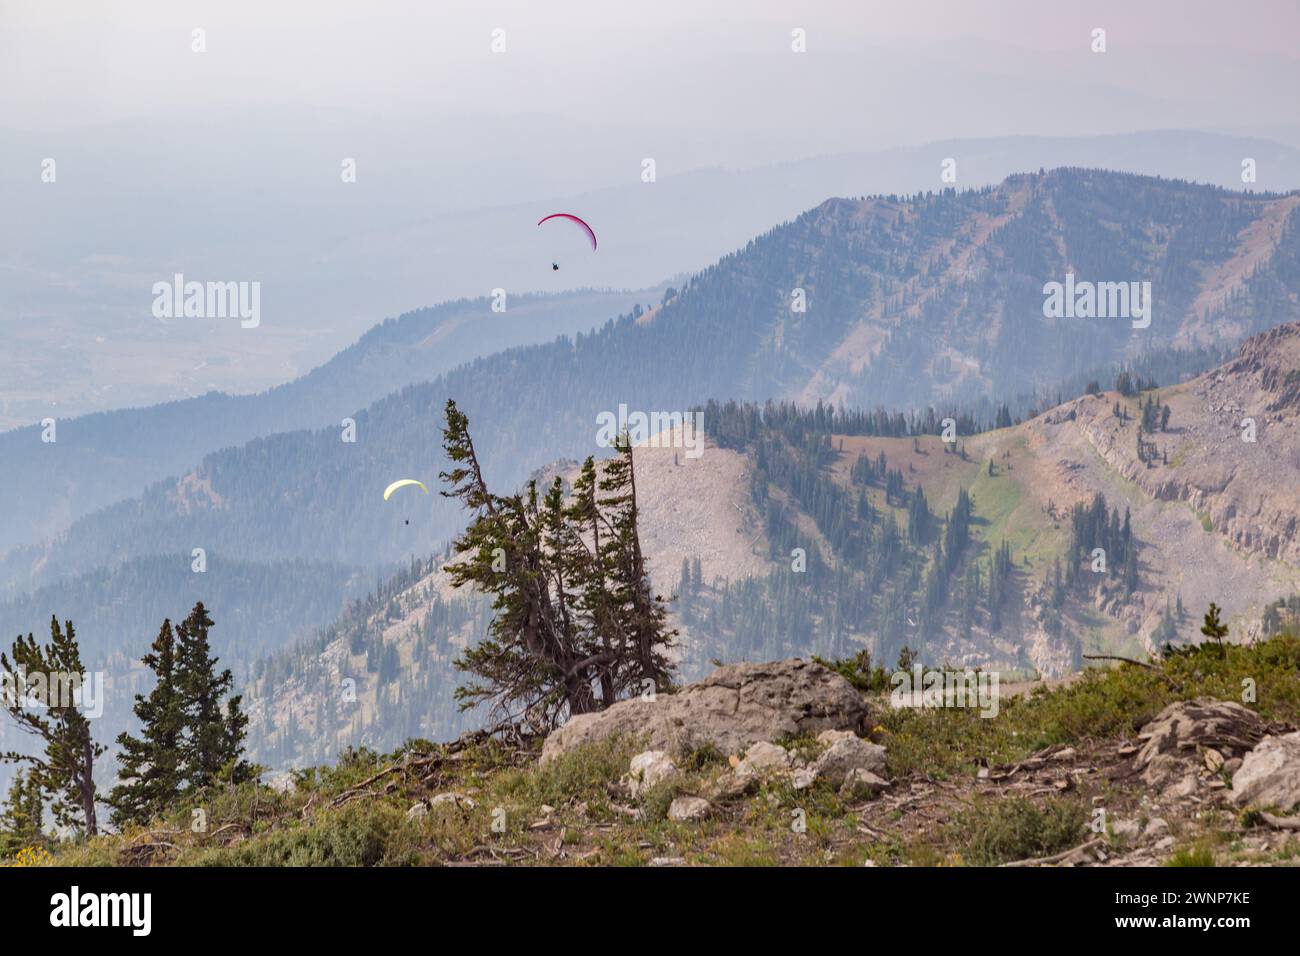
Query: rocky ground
[[797, 763]]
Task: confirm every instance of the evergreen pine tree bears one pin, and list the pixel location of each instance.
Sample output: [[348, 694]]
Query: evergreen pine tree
[[151, 774], [1213, 627], [642, 613], [214, 740], [67, 767], [22, 820], [578, 561], [575, 625], [919, 518], [529, 664]]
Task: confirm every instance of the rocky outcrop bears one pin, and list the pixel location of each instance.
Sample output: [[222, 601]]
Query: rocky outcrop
[[1269, 775], [1269, 360], [735, 707], [1244, 490], [845, 761], [1189, 739], [842, 761]]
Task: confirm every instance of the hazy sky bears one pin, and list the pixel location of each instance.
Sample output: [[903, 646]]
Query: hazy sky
[[69, 63], [226, 164]]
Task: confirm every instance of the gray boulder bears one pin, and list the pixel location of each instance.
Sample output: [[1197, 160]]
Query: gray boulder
[[803, 778], [688, 809], [764, 758], [647, 769], [452, 799], [845, 753], [733, 708], [1269, 776], [862, 783], [1126, 829]]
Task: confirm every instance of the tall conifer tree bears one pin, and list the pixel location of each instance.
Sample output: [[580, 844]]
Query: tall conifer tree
[[214, 739], [639, 612], [151, 771]]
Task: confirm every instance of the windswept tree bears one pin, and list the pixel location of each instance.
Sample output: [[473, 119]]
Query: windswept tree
[[576, 625], [151, 770], [531, 656], [42, 693], [638, 611]]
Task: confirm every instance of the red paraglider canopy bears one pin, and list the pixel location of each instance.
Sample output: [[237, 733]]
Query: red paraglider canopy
[[572, 218]]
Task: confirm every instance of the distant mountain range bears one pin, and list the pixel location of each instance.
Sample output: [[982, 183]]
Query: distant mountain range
[[907, 302], [330, 256], [935, 299], [107, 457]]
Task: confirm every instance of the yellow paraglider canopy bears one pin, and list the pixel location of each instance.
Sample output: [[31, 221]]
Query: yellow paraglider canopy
[[402, 483]]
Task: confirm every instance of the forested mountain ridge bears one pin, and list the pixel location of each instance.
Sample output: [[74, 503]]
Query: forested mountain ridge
[[106, 457], [889, 286], [869, 531], [915, 301], [315, 496]]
